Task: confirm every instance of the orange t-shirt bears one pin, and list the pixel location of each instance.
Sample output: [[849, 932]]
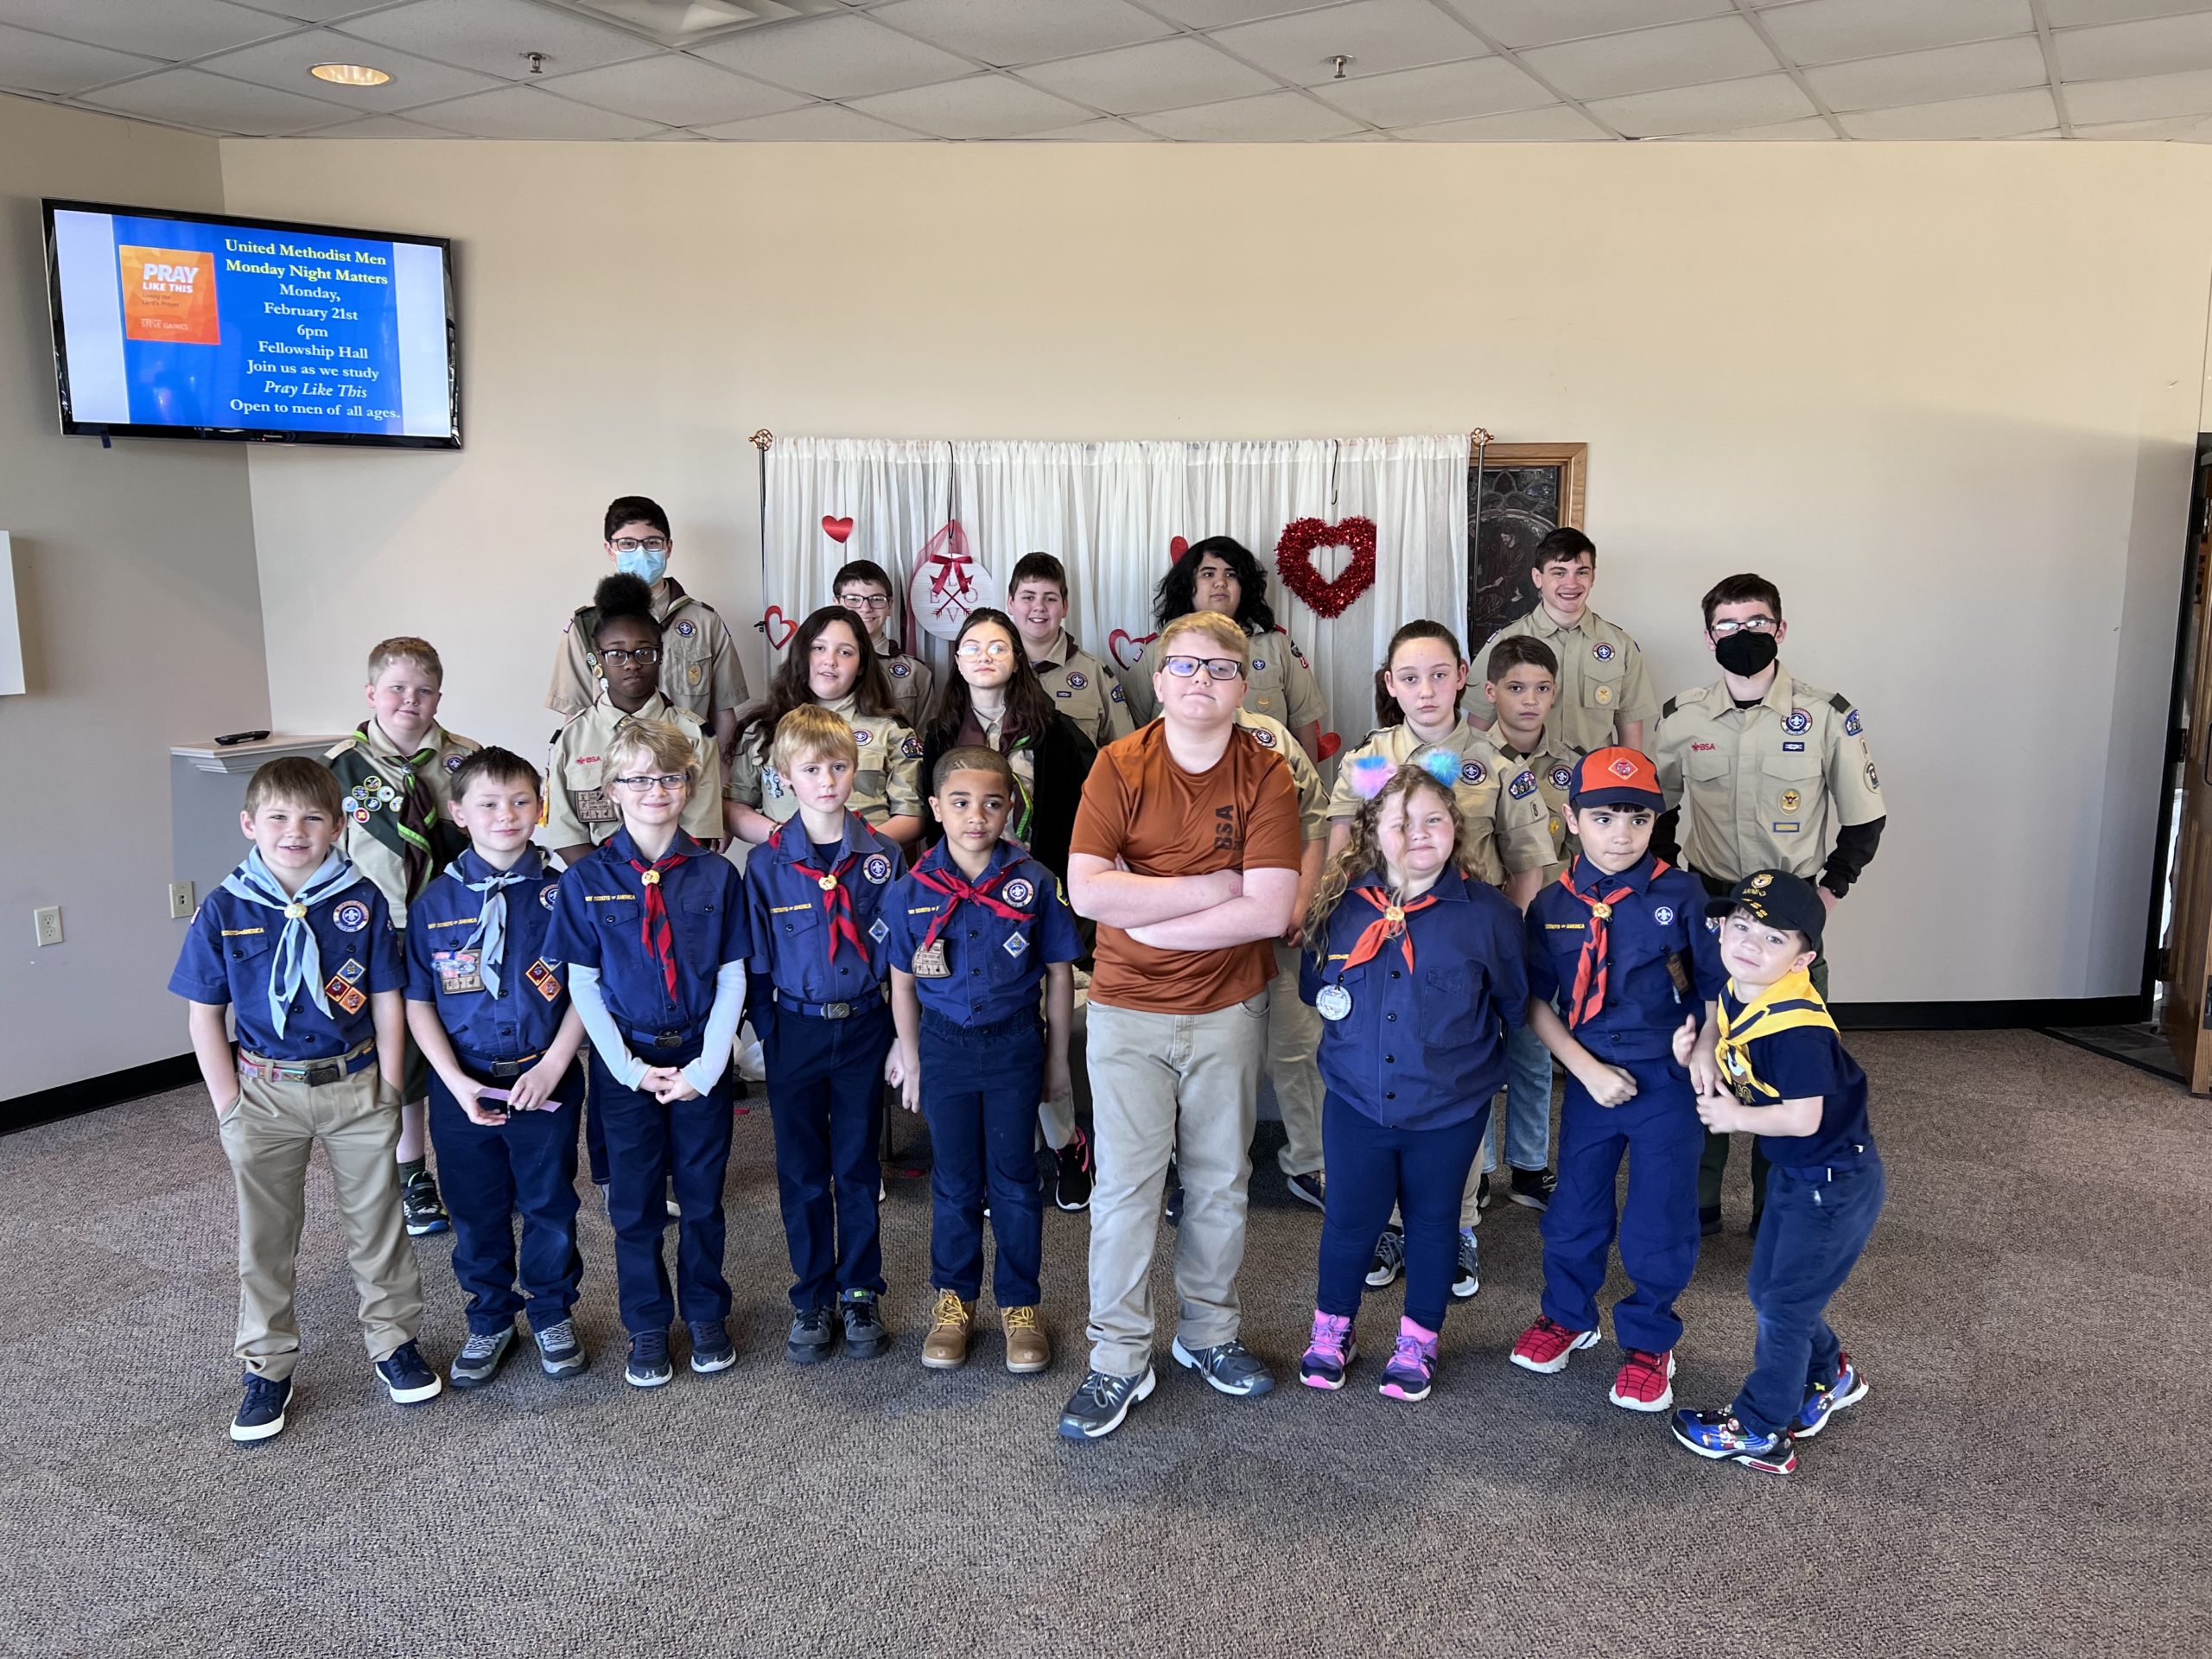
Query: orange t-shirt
[[1141, 808]]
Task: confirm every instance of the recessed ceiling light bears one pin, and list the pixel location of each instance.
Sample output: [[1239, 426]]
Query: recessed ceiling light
[[349, 74]]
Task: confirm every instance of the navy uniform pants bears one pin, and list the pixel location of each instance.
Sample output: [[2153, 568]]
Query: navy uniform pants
[[1659, 1134], [1817, 1223], [527, 1167], [825, 1099], [651, 1146], [979, 1089], [1371, 1167]]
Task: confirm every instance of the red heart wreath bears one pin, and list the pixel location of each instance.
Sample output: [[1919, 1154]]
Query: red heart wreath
[[1294, 562]]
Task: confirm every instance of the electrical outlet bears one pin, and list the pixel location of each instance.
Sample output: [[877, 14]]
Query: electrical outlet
[[48, 918], [183, 900]]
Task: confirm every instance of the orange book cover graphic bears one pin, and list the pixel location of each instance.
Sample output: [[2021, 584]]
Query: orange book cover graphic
[[169, 294]]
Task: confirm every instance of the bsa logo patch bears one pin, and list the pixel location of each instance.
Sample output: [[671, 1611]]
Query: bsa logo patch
[[1018, 892], [1522, 786], [1471, 773], [876, 868], [545, 894], [351, 917], [1852, 725], [1562, 776], [1702, 748], [1016, 945], [453, 763], [1260, 735], [1603, 651], [1259, 665], [1078, 681], [900, 670], [1790, 800], [1664, 915], [686, 627], [1797, 721], [863, 735]]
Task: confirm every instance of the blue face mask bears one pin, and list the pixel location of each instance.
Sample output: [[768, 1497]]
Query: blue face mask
[[645, 563]]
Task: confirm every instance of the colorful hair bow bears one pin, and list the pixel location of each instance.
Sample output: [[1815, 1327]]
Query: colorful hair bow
[[1370, 772]]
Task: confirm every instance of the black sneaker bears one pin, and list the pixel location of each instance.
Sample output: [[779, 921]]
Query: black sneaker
[[814, 1333], [425, 1212], [1482, 1192], [648, 1367], [1308, 1189], [559, 1351], [1071, 1185], [260, 1414], [1100, 1403], [711, 1348], [1389, 1258], [1708, 1220], [1229, 1367], [407, 1378], [480, 1357], [1532, 1188], [1171, 1208], [1469, 1278], [865, 1335]]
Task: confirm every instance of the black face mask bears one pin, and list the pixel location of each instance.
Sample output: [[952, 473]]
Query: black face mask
[[1746, 654]]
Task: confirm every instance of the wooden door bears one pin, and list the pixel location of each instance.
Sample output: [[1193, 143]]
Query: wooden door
[[2188, 1015]]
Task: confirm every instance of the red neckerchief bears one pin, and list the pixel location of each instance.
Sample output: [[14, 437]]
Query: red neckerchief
[[654, 932], [836, 903], [1589, 994], [1390, 924], [948, 880]]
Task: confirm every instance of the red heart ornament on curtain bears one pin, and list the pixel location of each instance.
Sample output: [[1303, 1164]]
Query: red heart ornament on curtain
[[834, 528], [1294, 562], [1127, 650], [768, 624], [1177, 547], [1329, 744]]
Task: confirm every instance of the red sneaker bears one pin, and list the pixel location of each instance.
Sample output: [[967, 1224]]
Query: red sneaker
[[1546, 1347], [1646, 1382]]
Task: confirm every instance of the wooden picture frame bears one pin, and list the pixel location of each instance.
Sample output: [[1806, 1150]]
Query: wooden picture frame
[[1516, 494]]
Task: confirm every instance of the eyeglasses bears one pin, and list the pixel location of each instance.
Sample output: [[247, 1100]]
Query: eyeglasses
[[631, 545], [1216, 668], [669, 782], [1756, 624], [644, 656], [865, 602], [974, 650]]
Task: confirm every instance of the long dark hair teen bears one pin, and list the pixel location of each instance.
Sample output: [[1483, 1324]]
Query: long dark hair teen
[[1029, 707], [1387, 711], [1172, 598], [789, 689]]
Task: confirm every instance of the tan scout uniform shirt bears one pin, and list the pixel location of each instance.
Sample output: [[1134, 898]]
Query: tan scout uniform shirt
[[699, 670], [1278, 682], [1759, 786], [579, 808], [885, 785], [1476, 788], [1601, 679], [1312, 800], [1532, 795], [378, 862], [911, 681], [1085, 691]]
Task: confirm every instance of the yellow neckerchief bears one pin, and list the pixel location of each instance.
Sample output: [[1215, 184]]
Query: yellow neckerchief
[[1789, 1004]]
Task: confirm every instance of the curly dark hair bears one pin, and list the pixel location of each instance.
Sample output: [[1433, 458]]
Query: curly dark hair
[[1172, 598], [788, 689], [623, 598]]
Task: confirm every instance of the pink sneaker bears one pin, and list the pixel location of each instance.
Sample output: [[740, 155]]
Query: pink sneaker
[[1329, 1353], [1413, 1363]]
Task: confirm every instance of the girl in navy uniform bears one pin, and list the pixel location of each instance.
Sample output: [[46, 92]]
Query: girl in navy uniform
[[492, 1017], [1620, 942], [1416, 967], [652, 930], [822, 1005]]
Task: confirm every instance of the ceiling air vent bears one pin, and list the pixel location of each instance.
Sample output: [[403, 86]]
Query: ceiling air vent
[[688, 22]]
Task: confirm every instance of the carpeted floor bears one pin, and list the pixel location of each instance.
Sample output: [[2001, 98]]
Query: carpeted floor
[[2025, 1476]]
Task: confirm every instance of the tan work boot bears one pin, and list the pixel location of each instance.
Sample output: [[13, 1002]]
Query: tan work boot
[[1027, 1348], [945, 1348]]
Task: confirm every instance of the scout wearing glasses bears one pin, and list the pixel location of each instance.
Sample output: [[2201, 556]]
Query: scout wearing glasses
[[580, 812], [864, 588]]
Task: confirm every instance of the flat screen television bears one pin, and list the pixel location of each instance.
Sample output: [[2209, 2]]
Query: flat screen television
[[200, 326]]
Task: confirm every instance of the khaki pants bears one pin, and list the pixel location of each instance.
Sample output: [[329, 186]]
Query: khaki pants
[[1293, 1037], [267, 1136], [1162, 1085]]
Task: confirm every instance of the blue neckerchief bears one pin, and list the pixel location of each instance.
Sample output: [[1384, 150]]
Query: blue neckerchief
[[490, 938], [299, 960]]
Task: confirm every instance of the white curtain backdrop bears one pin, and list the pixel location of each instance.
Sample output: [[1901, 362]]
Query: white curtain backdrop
[[1110, 511]]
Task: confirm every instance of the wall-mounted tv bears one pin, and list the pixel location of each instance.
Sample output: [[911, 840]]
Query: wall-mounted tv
[[199, 326]]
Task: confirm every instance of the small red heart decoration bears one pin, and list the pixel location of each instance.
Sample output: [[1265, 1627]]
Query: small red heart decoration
[[1329, 744], [1177, 547], [836, 529], [1126, 650], [768, 622]]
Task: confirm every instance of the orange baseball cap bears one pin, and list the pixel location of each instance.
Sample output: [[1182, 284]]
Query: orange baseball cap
[[1616, 777]]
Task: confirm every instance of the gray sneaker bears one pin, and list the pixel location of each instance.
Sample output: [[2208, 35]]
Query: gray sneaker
[[1389, 1258], [1100, 1403], [1469, 1278], [559, 1351], [480, 1357], [814, 1333], [1229, 1367]]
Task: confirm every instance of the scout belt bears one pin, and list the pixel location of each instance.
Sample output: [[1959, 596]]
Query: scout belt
[[833, 1010], [314, 1073], [497, 1070]]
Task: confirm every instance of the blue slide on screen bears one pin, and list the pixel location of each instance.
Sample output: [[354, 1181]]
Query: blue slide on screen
[[173, 322]]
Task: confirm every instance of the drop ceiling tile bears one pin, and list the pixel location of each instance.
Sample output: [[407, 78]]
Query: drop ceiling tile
[[2147, 98], [313, 12], [283, 64], [1157, 75], [2178, 126], [816, 123], [1831, 31], [1948, 71], [1096, 132], [2066, 14], [1542, 22], [2000, 115], [381, 126], [1652, 60], [1271, 118], [524, 113], [193, 98], [1555, 124], [171, 29], [39, 63], [2159, 46], [1812, 129], [491, 36], [1219, 13], [842, 56], [1722, 107], [1006, 32], [1360, 138], [981, 107], [1442, 91], [1377, 35], [674, 91]]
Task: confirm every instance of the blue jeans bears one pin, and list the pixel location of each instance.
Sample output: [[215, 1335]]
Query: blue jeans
[[1527, 1104], [979, 1092], [1423, 1171], [825, 1099], [649, 1145], [527, 1166], [1816, 1223]]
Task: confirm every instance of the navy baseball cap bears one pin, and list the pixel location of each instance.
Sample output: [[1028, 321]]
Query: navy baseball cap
[[1779, 900]]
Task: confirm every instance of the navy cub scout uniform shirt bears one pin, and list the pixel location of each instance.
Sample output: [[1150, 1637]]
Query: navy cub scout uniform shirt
[[599, 919], [1656, 931], [519, 1023], [1422, 1047], [1809, 1060], [996, 964], [232, 945], [792, 931]]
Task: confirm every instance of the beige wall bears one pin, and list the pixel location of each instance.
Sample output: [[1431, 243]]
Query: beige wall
[[135, 584], [1945, 394]]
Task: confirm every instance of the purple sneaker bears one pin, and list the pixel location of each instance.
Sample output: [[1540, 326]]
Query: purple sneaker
[[1329, 1354], [1413, 1363]]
